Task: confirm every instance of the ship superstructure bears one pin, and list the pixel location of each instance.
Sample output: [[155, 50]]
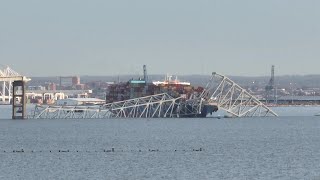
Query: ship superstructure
[[140, 88], [168, 80]]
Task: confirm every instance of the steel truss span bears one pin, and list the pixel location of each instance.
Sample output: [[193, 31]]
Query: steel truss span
[[155, 106], [159, 105], [69, 112], [220, 91], [230, 97]]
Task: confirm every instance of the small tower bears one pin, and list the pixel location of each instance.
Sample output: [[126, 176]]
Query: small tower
[[270, 89], [18, 100], [145, 75]]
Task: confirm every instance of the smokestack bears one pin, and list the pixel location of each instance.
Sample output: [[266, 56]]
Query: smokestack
[[145, 75]]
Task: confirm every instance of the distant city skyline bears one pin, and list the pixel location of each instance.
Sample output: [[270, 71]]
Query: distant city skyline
[[101, 37]]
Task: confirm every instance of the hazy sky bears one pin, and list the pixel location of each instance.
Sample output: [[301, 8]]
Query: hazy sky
[[101, 37]]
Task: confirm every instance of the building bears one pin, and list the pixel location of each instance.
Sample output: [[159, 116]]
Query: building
[[79, 101], [75, 80], [69, 82], [36, 88], [52, 87]]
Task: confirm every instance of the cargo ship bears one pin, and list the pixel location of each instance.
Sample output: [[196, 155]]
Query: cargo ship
[[174, 87], [140, 88]]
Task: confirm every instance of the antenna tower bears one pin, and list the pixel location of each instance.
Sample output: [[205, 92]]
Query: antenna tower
[[270, 88]]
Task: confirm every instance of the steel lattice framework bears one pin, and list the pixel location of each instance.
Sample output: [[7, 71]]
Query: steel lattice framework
[[69, 112], [220, 91], [159, 105], [155, 106], [7, 76], [230, 97]]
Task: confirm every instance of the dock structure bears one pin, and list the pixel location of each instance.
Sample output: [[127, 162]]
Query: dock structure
[[219, 93]]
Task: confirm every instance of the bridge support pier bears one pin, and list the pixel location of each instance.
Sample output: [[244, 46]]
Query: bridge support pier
[[18, 100]]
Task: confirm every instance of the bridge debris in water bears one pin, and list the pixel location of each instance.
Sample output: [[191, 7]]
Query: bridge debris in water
[[219, 93]]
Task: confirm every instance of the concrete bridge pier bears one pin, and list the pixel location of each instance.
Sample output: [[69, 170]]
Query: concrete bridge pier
[[18, 100]]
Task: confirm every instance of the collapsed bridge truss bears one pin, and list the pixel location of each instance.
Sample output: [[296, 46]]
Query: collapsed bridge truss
[[232, 98], [220, 91], [155, 106]]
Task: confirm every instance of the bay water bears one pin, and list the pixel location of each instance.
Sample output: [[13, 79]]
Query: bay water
[[284, 147]]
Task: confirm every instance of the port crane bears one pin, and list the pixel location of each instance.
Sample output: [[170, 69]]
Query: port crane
[[7, 77]]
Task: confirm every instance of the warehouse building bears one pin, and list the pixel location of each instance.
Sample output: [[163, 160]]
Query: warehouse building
[[80, 101]]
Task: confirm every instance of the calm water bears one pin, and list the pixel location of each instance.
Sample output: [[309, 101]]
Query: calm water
[[285, 147]]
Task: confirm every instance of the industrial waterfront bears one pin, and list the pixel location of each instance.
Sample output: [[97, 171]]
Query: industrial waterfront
[[285, 90], [136, 99]]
